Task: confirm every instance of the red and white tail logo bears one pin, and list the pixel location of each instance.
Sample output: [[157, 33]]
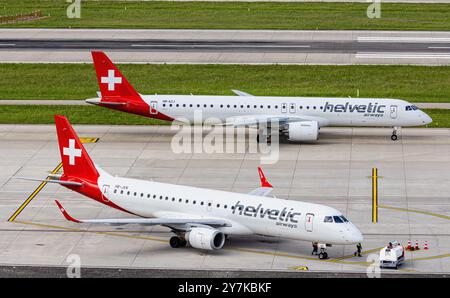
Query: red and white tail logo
[[72, 152], [76, 161], [111, 82]]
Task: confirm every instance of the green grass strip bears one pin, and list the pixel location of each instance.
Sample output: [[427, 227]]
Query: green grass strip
[[231, 15], [78, 81]]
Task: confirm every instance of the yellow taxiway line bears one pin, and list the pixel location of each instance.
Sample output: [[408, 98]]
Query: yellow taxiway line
[[44, 183], [33, 195], [415, 211], [277, 254], [341, 260]]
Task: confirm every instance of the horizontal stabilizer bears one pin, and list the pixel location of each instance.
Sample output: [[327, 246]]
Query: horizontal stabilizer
[[69, 183], [97, 101], [113, 103]]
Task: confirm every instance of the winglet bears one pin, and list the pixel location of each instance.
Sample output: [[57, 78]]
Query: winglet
[[64, 212], [264, 182]]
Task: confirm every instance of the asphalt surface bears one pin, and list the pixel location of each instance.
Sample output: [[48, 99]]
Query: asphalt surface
[[441, 46], [99, 272], [333, 171], [226, 46]]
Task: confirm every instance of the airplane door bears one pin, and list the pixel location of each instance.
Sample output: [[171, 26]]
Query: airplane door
[[283, 107], [394, 112], [292, 108], [153, 107], [105, 192], [309, 221]]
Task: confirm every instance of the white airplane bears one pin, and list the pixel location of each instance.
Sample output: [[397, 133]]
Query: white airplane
[[201, 217], [299, 118]]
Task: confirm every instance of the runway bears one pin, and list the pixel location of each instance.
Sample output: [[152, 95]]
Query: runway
[[226, 46], [335, 171], [435, 46]]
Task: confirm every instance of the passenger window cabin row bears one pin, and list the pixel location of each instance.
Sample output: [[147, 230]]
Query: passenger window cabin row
[[186, 201], [237, 106], [166, 198]]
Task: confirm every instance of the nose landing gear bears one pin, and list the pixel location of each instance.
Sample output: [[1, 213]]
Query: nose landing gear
[[323, 255], [394, 134]]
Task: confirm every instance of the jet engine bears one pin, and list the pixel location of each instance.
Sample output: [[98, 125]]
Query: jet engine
[[205, 238], [303, 131]]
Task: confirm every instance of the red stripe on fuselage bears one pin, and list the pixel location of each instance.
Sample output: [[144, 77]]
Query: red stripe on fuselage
[[137, 107], [91, 190]]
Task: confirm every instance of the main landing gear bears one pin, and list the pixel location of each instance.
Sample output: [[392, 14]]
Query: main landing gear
[[176, 242], [260, 138], [394, 134]]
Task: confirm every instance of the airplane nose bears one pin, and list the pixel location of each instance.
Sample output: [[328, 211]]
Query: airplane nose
[[358, 237], [426, 119], [355, 236]]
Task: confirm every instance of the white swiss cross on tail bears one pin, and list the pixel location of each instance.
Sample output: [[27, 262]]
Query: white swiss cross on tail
[[111, 80], [72, 152]]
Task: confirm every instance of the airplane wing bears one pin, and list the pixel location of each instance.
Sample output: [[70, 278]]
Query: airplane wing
[[241, 93], [258, 119], [170, 222], [265, 189]]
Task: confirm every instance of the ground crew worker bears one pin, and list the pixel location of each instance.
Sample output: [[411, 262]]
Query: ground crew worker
[[315, 247], [358, 250]]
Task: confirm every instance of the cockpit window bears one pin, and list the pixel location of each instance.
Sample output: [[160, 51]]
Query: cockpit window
[[328, 219], [337, 219], [344, 219], [411, 108]]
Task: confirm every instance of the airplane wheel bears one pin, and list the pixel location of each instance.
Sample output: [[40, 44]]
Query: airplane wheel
[[323, 256], [268, 139], [394, 137], [183, 243], [175, 242]]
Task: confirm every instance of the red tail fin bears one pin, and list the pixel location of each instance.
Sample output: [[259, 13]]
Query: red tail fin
[[76, 161], [111, 81], [116, 92]]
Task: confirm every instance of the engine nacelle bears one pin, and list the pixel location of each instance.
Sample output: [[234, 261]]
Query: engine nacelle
[[204, 238], [303, 131]]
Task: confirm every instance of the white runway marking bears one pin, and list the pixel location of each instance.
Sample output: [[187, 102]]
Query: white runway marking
[[363, 55], [404, 39], [218, 46], [7, 44], [439, 47]]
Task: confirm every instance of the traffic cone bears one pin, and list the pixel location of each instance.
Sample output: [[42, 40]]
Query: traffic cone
[[425, 246], [409, 245], [416, 247]]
